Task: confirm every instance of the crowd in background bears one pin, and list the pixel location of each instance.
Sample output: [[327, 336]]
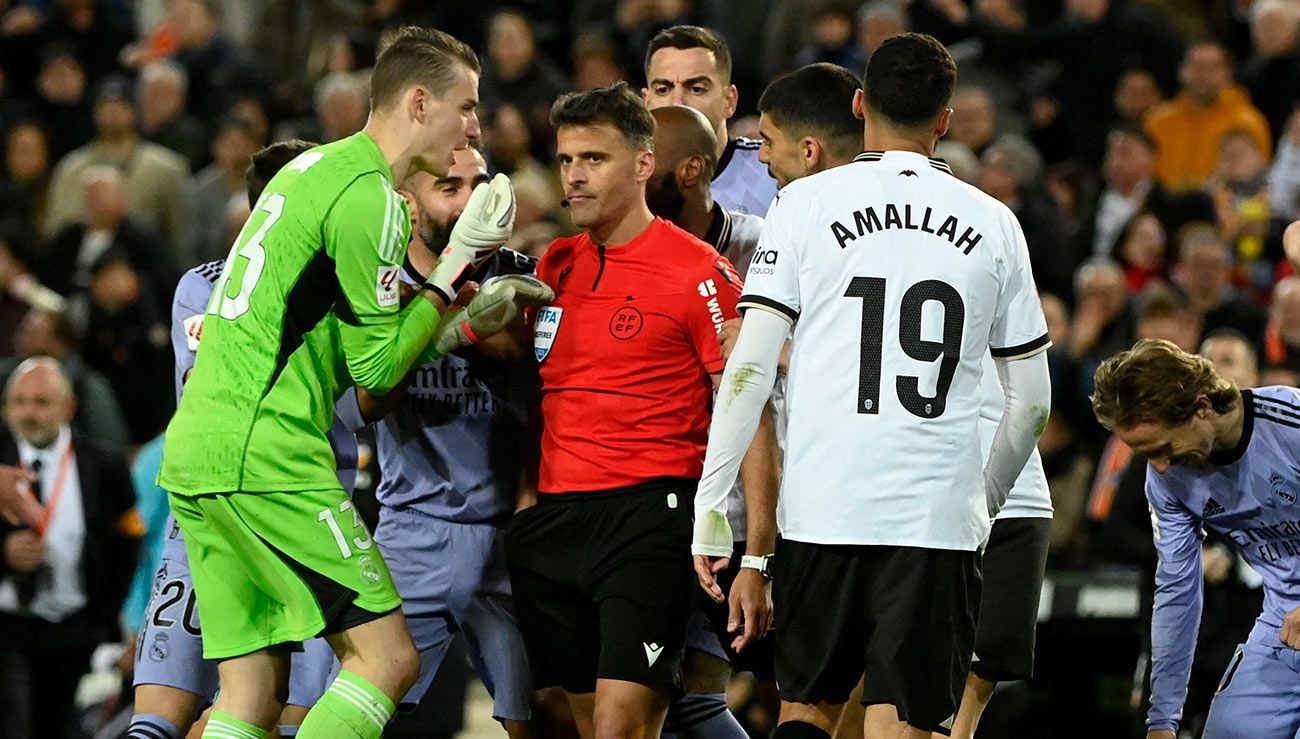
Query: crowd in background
[[1150, 148]]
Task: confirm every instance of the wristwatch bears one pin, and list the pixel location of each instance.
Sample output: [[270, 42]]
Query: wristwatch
[[763, 564]]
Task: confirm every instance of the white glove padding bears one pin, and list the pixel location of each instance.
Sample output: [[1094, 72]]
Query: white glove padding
[[483, 227], [497, 303]]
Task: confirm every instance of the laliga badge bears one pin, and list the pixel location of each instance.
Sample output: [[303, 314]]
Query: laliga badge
[[544, 330]]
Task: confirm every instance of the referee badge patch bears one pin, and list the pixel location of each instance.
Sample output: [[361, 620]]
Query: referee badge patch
[[544, 330]]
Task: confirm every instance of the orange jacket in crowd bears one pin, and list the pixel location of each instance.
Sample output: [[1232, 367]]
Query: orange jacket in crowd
[[1187, 135]]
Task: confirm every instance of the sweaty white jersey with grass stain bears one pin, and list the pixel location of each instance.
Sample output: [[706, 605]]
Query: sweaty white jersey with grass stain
[[900, 279]]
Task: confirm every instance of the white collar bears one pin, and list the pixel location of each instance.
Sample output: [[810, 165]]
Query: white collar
[[50, 454]]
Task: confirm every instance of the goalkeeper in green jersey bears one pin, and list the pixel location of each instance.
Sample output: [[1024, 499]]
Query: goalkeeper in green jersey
[[306, 306]]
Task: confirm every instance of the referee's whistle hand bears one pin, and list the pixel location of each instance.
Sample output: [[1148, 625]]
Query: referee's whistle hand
[[751, 608], [705, 570]]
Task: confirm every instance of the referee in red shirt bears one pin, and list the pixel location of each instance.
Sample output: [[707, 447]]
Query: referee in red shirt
[[601, 566]]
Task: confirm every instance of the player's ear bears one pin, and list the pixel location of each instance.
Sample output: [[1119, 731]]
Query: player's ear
[[811, 152], [859, 106], [417, 102], [941, 128], [690, 171], [645, 165], [733, 99], [412, 208]]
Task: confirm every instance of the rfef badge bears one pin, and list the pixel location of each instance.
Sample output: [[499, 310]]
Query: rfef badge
[[544, 330]]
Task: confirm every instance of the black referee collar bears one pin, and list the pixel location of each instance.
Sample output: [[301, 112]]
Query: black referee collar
[[875, 156]]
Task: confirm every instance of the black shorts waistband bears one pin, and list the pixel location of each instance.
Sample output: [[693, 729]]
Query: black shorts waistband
[[657, 486]]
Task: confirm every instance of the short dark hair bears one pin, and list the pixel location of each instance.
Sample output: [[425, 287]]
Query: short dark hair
[[817, 100], [414, 55], [909, 79], [692, 37], [616, 105], [268, 161]]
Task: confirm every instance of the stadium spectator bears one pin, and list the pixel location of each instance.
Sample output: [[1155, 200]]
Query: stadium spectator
[[233, 146], [1136, 93], [596, 62], [1239, 190], [63, 580], [1203, 272], [974, 119], [105, 227], [509, 146], [1128, 189], [161, 94], [157, 181], [61, 101], [832, 40], [1189, 129], [217, 68], [1102, 323], [46, 333], [127, 339], [519, 73], [1011, 171], [1094, 42], [342, 105], [1142, 251], [95, 30], [341, 102], [25, 181], [1272, 74], [877, 21]]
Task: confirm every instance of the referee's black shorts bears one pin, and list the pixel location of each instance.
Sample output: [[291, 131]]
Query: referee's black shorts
[[902, 616], [1012, 570], [602, 584]]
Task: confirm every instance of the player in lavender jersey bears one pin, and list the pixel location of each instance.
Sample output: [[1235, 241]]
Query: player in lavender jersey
[[1224, 459], [172, 681], [449, 453]]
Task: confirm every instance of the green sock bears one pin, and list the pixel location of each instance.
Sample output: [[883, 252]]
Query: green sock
[[351, 709], [224, 726]]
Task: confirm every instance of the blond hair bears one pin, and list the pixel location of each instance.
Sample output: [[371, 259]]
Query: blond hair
[[1156, 382]]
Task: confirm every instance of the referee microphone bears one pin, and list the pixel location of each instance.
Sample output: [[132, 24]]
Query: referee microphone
[[564, 203]]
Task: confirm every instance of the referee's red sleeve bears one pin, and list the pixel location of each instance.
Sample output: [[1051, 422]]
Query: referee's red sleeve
[[715, 300]]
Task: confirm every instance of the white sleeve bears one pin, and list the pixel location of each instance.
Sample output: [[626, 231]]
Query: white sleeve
[[1019, 328], [772, 282], [746, 385], [1028, 389]]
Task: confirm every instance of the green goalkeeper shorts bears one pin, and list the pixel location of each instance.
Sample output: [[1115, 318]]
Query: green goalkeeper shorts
[[275, 568]]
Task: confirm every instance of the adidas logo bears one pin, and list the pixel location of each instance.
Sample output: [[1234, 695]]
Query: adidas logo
[[652, 652], [1211, 509]]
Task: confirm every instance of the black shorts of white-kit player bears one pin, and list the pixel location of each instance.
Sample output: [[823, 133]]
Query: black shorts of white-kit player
[[603, 583], [1012, 570], [903, 615]]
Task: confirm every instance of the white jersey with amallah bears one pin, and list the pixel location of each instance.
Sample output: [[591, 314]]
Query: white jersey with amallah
[[741, 183], [899, 278]]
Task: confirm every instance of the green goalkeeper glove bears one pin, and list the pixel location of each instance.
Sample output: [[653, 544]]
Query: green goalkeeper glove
[[496, 305]]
